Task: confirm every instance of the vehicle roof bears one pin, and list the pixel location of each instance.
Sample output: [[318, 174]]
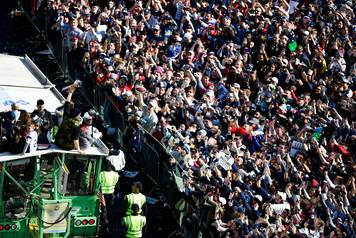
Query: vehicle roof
[[22, 82]]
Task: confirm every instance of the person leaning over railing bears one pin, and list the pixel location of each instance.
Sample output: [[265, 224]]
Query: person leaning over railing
[[68, 133], [88, 133]]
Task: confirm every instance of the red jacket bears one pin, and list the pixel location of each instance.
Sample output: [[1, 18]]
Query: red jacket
[[339, 149]]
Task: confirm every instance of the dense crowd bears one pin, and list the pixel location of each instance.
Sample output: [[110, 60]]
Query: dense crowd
[[255, 100]]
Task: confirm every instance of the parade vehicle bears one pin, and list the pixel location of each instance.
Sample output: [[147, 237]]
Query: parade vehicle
[[50, 192]]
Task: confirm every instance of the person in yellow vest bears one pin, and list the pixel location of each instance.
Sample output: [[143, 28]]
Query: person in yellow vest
[[134, 223], [108, 181], [135, 197]]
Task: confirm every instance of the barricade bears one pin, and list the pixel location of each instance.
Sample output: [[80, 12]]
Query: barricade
[[59, 51]]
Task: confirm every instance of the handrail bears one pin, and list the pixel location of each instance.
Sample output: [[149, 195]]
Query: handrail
[[161, 144], [154, 138], [164, 147], [44, 80]]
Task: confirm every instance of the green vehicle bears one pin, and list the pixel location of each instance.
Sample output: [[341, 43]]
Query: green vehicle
[[49, 192]]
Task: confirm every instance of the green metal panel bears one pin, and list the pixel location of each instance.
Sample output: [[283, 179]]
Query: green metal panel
[[89, 231], [46, 226], [2, 177], [82, 207]]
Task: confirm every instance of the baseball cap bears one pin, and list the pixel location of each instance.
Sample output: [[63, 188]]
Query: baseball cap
[[202, 132], [222, 200], [162, 84], [94, 24], [239, 209], [254, 121], [210, 93], [159, 69], [187, 36], [87, 116], [11, 116], [284, 62], [345, 80]]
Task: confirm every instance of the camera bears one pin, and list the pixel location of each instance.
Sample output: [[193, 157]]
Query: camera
[[39, 121], [186, 67]]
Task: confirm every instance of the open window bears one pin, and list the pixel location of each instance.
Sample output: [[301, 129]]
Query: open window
[[77, 176], [16, 202]]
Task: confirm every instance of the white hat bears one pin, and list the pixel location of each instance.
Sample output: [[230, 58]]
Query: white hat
[[212, 142], [127, 93], [284, 62], [259, 198], [202, 132], [153, 103], [187, 36], [114, 76], [283, 107], [210, 93], [254, 121], [283, 195], [87, 116], [222, 200]]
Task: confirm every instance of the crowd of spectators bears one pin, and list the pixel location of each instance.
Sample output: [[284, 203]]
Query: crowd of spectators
[[255, 100]]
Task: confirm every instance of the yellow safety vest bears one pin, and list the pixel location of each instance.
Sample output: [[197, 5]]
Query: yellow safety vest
[[133, 198], [134, 226], [108, 181]]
